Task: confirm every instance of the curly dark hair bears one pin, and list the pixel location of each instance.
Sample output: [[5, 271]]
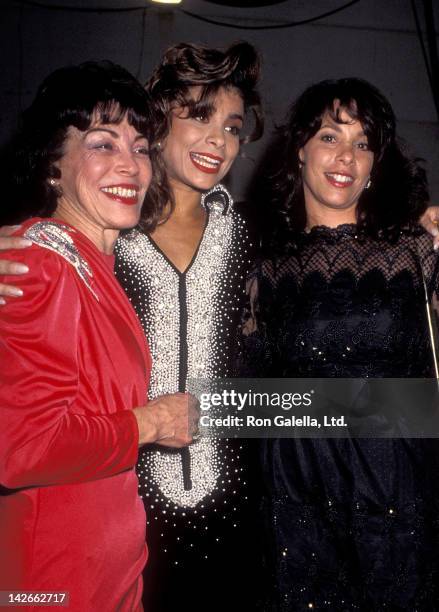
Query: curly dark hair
[[186, 65], [398, 194], [71, 96]]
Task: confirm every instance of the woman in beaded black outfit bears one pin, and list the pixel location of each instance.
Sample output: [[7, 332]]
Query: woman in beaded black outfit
[[185, 278], [353, 522]]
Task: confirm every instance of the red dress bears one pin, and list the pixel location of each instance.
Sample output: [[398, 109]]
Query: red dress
[[73, 363]]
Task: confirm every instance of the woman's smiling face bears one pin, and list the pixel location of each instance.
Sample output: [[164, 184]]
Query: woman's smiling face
[[199, 151], [105, 172], [336, 165]]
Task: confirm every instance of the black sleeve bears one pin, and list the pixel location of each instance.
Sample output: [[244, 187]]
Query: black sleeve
[[256, 354]]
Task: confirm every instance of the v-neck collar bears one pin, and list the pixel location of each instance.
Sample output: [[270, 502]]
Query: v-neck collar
[[194, 256]]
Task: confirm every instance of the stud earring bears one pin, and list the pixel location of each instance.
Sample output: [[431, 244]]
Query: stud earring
[[52, 182]]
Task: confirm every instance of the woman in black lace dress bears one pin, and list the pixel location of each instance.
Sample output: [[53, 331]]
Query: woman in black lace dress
[[353, 522]]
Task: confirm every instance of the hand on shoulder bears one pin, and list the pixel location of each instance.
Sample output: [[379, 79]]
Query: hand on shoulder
[[10, 240]]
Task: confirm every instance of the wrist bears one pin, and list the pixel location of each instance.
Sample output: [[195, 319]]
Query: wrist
[[148, 430]]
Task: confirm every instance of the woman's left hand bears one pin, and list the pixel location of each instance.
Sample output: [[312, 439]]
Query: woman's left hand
[[430, 221]]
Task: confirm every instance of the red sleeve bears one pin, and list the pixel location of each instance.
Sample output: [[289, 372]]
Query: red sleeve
[[45, 437]]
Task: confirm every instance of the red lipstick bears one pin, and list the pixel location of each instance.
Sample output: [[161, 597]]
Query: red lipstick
[[123, 193], [206, 162]]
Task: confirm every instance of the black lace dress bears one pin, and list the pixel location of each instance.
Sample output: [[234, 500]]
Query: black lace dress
[[353, 522]]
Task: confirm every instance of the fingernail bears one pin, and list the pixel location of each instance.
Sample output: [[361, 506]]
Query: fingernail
[[25, 242], [435, 247], [16, 291], [21, 268], [2, 301]]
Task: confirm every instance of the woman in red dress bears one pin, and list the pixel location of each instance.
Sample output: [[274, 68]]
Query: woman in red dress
[[74, 361]]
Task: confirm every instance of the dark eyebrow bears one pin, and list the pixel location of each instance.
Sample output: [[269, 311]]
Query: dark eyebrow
[[236, 116], [113, 133], [332, 126], [102, 129], [336, 126]]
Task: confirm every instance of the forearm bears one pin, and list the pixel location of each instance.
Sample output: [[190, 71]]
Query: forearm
[[75, 448]]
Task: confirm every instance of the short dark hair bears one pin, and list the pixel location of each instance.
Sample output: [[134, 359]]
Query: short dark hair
[[186, 65], [398, 194], [70, 96]]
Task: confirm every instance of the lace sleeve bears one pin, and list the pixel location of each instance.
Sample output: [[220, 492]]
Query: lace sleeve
[[255, 357]]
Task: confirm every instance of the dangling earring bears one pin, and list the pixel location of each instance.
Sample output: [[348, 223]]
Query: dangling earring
[[368, 184]]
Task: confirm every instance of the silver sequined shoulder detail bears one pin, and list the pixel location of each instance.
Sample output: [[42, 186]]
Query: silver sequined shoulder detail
[[217, 199], [57, 238]]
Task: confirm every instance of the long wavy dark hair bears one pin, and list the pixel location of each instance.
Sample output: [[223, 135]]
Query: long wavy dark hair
[[71, 96], [183, 66], [398, 194]]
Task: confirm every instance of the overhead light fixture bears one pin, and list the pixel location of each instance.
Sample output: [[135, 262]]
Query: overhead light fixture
[[167, 1]]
